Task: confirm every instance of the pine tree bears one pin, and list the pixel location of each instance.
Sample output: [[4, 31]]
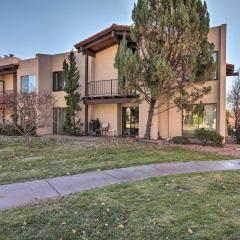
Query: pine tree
[[71, 77], [173, 60]]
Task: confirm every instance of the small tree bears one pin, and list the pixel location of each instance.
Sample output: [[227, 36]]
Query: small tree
[[32, 111], [173, 59], [233, 99], [71, 77]]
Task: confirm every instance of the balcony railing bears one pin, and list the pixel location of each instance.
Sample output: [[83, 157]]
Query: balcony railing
[[8, 97], [106, 88]]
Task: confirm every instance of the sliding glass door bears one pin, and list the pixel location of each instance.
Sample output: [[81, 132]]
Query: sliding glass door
[[130, 121], [58, 120], [1, 86]]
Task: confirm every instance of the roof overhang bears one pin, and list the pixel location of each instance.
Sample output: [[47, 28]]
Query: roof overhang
[[8, 69], [104, 39]]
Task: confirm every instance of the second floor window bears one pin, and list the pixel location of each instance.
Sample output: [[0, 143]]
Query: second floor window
[[28, 83], [58, 81], [215, 57]]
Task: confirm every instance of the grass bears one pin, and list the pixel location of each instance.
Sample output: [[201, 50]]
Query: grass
[[50, 158], [189, 207]]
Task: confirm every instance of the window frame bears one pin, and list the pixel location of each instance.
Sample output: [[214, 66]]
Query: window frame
[[218, 66], [54, 83], [30, 75], [205, 104]]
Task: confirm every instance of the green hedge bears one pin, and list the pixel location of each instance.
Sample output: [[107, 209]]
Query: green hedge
[[180, 140], [209, 138]]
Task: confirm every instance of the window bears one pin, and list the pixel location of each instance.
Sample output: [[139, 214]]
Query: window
[[58, 81], [28, 83], [206, 119], [215, 57]]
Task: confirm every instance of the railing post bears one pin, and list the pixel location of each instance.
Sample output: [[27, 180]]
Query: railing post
[[111, 87]]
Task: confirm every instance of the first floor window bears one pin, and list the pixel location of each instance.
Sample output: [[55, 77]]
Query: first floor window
[[28, 83], [204, 119], [58, 81]]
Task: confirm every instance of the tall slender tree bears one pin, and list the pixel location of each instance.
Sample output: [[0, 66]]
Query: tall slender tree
[[71, 77], [173, 60]]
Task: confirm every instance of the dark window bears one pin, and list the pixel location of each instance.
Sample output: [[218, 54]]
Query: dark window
[[215, 57], [58, 81]]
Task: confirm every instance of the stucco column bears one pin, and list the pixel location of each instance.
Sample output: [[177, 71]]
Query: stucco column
[[222, 86]]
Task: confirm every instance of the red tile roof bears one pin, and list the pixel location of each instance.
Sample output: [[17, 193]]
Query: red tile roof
[[107, 30]]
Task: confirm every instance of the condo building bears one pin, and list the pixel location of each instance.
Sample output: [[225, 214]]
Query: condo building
[[101, 97]]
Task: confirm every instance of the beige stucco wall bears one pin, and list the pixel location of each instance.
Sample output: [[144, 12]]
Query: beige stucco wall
[[104, 64], [27, 67], [106, 113], [8, 80]]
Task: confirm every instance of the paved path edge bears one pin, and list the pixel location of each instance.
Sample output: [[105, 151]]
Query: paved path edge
[[31, 192]]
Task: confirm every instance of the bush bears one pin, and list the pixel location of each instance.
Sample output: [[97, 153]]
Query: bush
[[8, 130], [209, 138], [180, 140], [238, 134], [231, 131]]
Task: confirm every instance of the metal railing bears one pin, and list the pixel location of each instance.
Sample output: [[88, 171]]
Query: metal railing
[[106, 88]]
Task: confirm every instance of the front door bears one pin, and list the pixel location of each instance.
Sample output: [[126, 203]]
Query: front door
[[130, 121], [58, 120]]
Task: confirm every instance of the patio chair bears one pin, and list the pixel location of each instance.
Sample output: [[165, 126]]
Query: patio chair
[[104, 128]]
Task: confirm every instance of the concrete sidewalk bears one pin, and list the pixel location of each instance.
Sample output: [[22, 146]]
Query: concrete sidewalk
[[20, 194]]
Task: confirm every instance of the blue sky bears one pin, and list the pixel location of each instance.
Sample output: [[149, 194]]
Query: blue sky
[[54, 26]]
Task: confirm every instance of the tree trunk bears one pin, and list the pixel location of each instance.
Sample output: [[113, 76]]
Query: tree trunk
[[150, 118], [74, 124], [27, 141]]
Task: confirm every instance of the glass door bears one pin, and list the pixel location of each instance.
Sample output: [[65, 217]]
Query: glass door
[[1, 86], [130, 121], [58, 120]]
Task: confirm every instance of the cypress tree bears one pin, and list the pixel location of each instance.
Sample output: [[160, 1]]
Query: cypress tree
[[173, 60], [71, 77]]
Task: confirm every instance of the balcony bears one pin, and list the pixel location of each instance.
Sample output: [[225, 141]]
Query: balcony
[[107, 88], [8, 98]]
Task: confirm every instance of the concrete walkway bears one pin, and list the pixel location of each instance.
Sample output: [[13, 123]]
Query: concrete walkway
[[19, 194]]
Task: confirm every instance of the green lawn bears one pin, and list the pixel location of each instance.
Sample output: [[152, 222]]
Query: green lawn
[[187, 207], [50, 158]]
